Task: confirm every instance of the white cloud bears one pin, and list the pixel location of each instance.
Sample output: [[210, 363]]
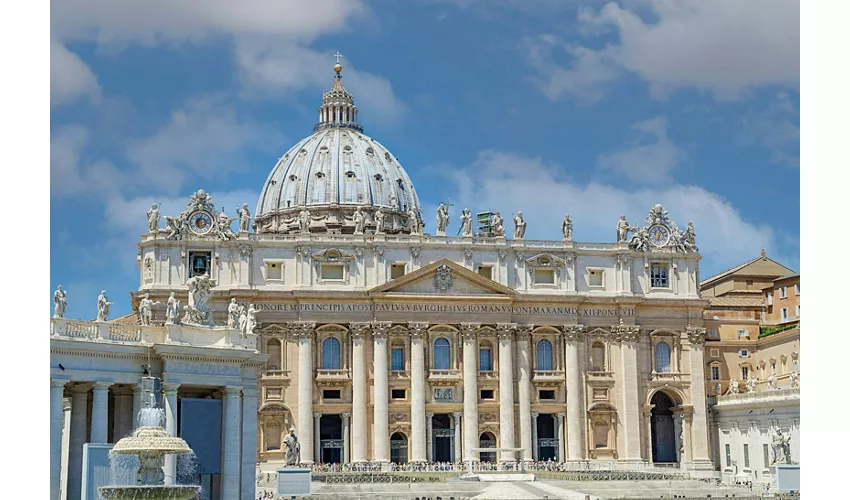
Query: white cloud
[[776, 129], [724, 47], [509, 182], [70, 77], [649, 158]]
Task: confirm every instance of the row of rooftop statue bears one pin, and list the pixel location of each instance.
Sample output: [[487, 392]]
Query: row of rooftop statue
[[751, 383], [198, 216], [197, 312]]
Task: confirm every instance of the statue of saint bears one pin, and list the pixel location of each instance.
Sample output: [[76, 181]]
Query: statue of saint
[[413, 222], [233, 314], [293, 448], [379, 222], [622, 229], [780, 444], [718, 389], [498, 225], [567, 228], [359, 221], [153, 219], [751, 384], [689, 239], [771, 381], [304, 221], [519, 226], [171, 309], [250, 320], [442, 219], [146, 309], [102, 306], [466, 222], [224, 222], [175, 226], [795, 379], [244, 218], [243, 320], [733, 387], [59, 302]]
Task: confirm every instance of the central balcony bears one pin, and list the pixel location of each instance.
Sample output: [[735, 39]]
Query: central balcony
[[547, 377], [332, 377], [446, 377]]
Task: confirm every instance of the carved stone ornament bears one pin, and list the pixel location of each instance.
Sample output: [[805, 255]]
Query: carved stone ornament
[[696, 335], [359, 329], [358, 251], [443, 278], [659, 233], [301, 329], [570, 257], [523, 332], [484, 418], [398, 417], [520, 257], [381, 328], [245, 250], [626, 333], [468, 330], [506, 330], [417, 329], [414, 252], [467, 254], [502, 254], [573, 332], [379, 251]]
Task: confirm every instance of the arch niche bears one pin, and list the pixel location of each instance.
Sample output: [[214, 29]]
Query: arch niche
[[398, 448], [663, 429]]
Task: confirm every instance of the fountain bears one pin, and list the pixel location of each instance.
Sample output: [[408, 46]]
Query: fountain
[[150, 443]]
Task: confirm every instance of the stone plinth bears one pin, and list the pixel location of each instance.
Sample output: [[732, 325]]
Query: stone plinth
[[209, 336]]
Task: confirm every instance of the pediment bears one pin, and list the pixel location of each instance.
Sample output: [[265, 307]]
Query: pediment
[[443, 278]]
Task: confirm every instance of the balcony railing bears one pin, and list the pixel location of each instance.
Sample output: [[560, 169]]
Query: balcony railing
[[443, 374], [197, 336], [276, 374], [399, 374], [599, 375], [548, 374], [331, 374]]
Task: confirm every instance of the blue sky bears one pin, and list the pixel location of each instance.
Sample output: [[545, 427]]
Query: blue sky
[[549, 107]]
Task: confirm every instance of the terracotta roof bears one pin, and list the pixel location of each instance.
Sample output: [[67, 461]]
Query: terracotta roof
[[727, 301], [795, 275], [737, 268]]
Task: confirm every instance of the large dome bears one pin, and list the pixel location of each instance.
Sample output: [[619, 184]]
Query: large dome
[[334, 172]]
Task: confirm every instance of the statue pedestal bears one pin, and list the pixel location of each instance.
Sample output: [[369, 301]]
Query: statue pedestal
[[213, 336]]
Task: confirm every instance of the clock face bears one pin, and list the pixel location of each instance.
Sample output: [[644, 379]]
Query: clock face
[[659, 235], [200, 222]]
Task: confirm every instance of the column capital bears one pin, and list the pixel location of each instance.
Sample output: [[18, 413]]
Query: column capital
[[58, 383], [573, 333], [417, 329], [626, 333], [535, 414], [100, 385], [468, 331], [359, 329], [429, 414], [506, 330], [346, 415], [561, 415], [523, 332], [232, 391], [380, 329], [317, 416], [301, 329], [249, 391], [695, 335], [170, 387], [456, 415]]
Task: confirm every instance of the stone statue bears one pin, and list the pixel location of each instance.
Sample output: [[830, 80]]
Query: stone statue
[[498, 225], [304, 221], [293, 448], [198, 310], [466, 222], [103, 305], [718, 388], [413, 222], [379, 222], [689, 238], [622, 229], [781, 447], [175, 227], [567, 228], [519, 226], [771, 381], [224, 222], [146, 309], [359, 221], [243, 320], [795, 379], [233, 314], [442, 219], [171, 309], [751, 384], [59, 302], [153, 219], [250, 320], [244, 218], [733, 387], [640, 238]]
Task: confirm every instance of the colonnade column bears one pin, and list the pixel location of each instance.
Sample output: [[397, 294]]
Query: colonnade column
[[575, 393], [358, 391], [429, 421], [628, 336], [122, 421], [459, 456], [506, 390], [699, 421], [317, 439], [249, 442], [137, 406], [524, 365], [687, 425], [77, 438], [534, 446], [417, 392], [470, 385], [100, 412], [303, 331], [170, 391], [57, 415], [647, 425], [380, 437], [561, 447], [346, 439], [231, 467]]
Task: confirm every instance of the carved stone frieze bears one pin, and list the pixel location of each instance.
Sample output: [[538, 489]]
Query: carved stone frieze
[[398, 417], [484, 418]]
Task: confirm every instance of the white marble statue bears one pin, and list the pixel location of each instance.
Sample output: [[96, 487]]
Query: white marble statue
[[59, 302], [771, 381], [233, 314], [622, 229], [689, 238], [359, 221], [795, 379], [413, 222], [103, 305], [293, 448], [379, 222], [198, 310], [153, 218], [567, 228], [146, 309], [751, 384], [466, 222], [304, 221], [733, 387], [244, 218], [781, 447], [442, 219], [175, 227], [519, 226], [224, 222], [250, 320], [243, 320], [172, 308], [498, 225]]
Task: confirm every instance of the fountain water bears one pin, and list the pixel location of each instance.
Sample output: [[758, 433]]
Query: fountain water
[[150, 443]]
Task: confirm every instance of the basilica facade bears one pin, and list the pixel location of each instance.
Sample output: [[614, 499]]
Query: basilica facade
[[385, 343]]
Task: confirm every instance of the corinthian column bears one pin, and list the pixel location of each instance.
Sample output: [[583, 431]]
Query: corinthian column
[[76, 440], [523, 333], [170, 466], [506, 390], [699, 420], [231, 453], [628, 378], [470, 385], [57, 415], [303, 331], [380, 439], [359, 390], [575, 393], [99, 412], [417, 392]]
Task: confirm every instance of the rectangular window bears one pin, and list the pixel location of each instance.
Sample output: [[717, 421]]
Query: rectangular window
[[331, 394], [747, 456], [594, 277], [712, 333], [783, 314], [744, 353], [797, 311], [486, 271], [715, 373], [274, 271], [398, 393], [333, 272], [783, 292], [199, 263], [797, 289], [397, 359], [544, 276], [728, 456], [488, 394], [745, 372], [659, 276], [770, 298], [485, 363], [743, 334], [547, 395], [766, 451], [397, 271]]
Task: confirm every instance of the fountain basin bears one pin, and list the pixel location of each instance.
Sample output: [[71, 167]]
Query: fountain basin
[[151, 439], [151, 492]]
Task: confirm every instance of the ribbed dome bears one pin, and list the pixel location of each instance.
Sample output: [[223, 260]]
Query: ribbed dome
[[338, 169]]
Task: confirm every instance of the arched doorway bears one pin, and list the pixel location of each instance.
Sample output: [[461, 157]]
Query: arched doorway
[[330, 434], [487, 440], [663, 429], [547, 440], [398, 448], [442, 437]]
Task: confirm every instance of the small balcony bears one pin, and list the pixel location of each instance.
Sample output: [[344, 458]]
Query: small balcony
[[485, 375], [547, 377], [599, 377], [399, 375], [443, 376], [331, 376], [275, 374]]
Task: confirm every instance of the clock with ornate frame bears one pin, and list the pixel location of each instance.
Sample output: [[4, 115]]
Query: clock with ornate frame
[[659, 235], [200, 222]]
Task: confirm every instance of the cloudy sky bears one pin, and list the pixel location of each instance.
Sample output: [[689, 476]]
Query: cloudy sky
[[591, 108]]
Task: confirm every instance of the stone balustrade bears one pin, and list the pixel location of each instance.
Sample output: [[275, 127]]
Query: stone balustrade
[[759, 397]]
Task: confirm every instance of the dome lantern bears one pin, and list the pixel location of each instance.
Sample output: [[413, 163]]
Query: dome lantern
[[337, 109]]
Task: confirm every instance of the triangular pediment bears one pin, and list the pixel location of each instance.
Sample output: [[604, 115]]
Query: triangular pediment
[[443, 278]]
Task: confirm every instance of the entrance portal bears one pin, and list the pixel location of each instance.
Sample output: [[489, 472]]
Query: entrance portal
[[663, 429], [487, 440], [330, 434], [398, 448], [547, 439], [443, 438]]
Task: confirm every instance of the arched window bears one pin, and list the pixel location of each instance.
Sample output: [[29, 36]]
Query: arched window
[[273, 350], [662, 357], [544, 355], [330, 354], [597, 357], [442, 354]]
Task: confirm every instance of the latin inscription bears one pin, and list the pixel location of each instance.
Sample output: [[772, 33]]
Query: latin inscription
[[444, 309], [202, 368]]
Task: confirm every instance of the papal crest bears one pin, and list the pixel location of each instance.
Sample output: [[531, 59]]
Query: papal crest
[[443, 278]]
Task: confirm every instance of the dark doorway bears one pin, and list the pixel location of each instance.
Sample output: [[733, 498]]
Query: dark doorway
[[663, 429], [330, 434], [547, 438], [443, 438], [398, 448], [487, 440]]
